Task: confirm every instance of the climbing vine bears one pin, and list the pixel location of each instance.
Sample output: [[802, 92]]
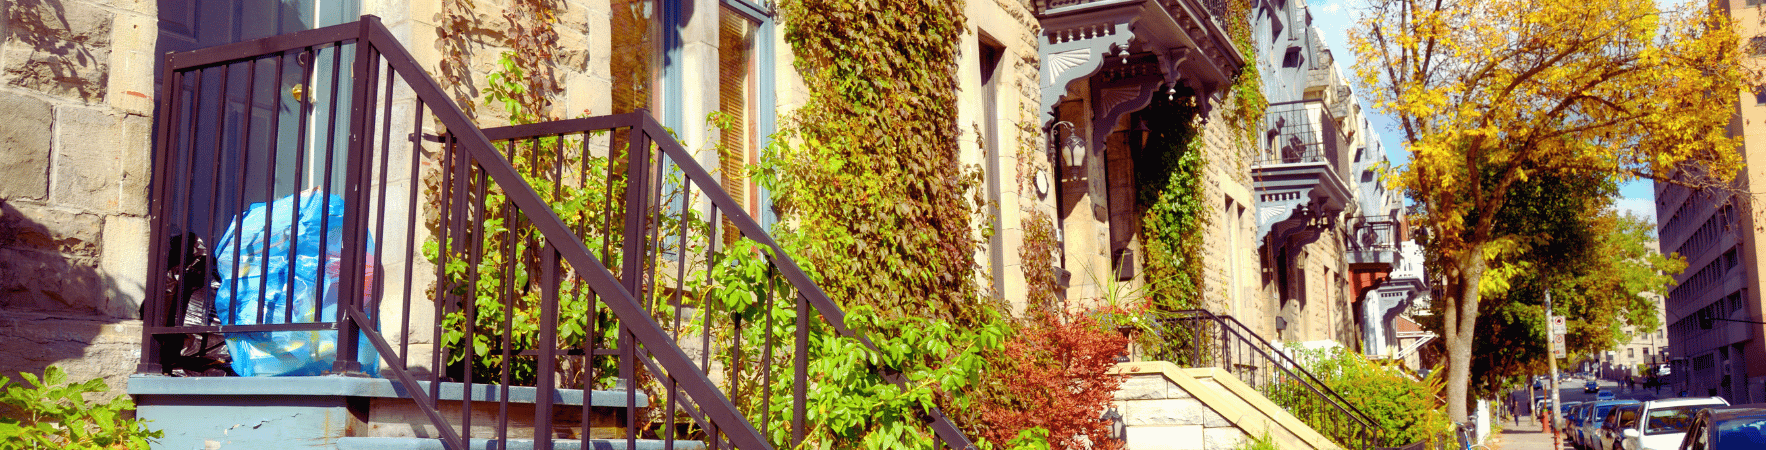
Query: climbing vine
[[529, 36], [871, 179], [1171, 173]]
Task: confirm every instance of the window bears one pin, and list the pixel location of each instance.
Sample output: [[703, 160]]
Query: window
[[634, 76], [736, 105], [1293, 59]]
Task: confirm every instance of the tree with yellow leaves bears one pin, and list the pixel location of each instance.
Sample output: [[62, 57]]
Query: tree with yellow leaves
[[1488, 93]]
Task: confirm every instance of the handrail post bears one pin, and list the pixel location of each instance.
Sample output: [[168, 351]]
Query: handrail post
[[158, 287], [355, 214], [631, 270]]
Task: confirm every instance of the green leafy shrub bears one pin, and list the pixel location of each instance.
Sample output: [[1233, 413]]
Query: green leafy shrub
[[1404, 409], [52, 413]]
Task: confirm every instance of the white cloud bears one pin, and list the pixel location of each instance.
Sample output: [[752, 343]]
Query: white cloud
[[1642, 207]]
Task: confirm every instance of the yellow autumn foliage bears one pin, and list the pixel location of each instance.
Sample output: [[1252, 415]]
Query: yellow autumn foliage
[[1488, 93]]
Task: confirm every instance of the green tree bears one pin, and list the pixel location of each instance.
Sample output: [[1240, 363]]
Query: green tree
[[1598, 266], [1489, 94]]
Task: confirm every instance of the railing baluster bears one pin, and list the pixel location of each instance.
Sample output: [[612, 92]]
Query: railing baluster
[[325, 188], [304, 117], [548, 348], [511, 233], [766, 356], [186, 168], [800, 374]]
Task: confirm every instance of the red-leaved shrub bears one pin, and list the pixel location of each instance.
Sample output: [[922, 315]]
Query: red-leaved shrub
[[1054, 375]]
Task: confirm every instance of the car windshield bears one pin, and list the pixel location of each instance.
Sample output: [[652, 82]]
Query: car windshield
[[1600, 413], [1741, 432], [1673, 419]]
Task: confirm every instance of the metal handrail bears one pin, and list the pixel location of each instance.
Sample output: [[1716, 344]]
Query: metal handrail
[[466, 167], [1355, 430]]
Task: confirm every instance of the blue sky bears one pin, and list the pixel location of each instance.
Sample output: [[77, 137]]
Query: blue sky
[[1334, 18]]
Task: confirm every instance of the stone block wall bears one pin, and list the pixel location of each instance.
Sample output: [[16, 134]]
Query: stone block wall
[[76, 89]]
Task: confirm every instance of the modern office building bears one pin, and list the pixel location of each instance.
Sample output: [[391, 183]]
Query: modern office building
[[1718, 233]]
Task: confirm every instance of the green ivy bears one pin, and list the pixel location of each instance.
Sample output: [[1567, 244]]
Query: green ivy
[[1174, 212], [1172, 170], [867, 168]]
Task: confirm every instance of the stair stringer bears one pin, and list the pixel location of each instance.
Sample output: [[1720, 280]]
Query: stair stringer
[[1162, 404]]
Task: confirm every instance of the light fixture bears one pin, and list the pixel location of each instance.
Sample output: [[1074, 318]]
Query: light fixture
[[1071, 151], [1137, 134]]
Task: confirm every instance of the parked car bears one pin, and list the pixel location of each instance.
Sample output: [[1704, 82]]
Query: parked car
[[1569, 415], [1589, 431], [1621, 417], [1590, 387], [1605, 395], [1662, 423], [1574, 419], [1727, 428]]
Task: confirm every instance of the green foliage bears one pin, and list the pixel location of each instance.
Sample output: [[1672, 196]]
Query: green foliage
[[500, 268], [1261, 442], [52, 413], [1404, 410], [851, 405], [867, 168], [1170, 174], [1597, 263]]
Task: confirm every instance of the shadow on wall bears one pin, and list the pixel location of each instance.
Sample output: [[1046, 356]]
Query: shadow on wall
[[56, 305], [69, 47]]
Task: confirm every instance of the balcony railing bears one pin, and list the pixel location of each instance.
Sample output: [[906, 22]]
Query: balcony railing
[[1198, 338], [1375, 239], [1304, 132], [320, 204]]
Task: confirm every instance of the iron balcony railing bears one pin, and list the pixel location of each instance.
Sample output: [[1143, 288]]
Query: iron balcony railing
[[1304, 131], [320, 205], [1375, 239], [1198, 338]]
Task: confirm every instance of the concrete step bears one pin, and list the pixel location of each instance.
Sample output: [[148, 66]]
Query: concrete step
[[400, 443]]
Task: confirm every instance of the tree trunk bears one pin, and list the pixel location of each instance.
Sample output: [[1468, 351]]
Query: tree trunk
[[1457, 335]]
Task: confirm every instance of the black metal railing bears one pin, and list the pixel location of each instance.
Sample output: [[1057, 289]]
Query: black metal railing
[[354, 221], [1198, 338], [1375, 239], [1303, 131]]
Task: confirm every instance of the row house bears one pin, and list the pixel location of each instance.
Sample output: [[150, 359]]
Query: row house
[[133, 176], [1329, 232]]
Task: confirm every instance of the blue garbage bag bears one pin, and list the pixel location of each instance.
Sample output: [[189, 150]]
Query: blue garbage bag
[[268, 269]]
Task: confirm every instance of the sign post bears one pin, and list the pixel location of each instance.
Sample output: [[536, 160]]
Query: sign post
[[1557, 351]]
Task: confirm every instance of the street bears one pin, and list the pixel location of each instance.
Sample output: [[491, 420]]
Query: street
[[1528, 436]]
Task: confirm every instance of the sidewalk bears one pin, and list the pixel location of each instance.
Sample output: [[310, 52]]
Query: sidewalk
[[1524, 437]]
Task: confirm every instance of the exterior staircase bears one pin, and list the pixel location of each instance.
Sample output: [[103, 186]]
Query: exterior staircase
[[546, 285], [1219, 379]]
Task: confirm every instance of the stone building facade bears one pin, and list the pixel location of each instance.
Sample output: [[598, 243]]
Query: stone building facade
[[79, 77], [77, 86]]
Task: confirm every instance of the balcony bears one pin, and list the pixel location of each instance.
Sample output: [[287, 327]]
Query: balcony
[[1301, 177], [1375, 240], [1144, 43]]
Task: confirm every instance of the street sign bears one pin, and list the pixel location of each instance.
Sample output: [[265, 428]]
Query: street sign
[[1557, 325], [1557, 346]]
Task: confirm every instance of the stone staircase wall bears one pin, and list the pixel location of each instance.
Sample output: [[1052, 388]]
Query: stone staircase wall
[[1166, 407]]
